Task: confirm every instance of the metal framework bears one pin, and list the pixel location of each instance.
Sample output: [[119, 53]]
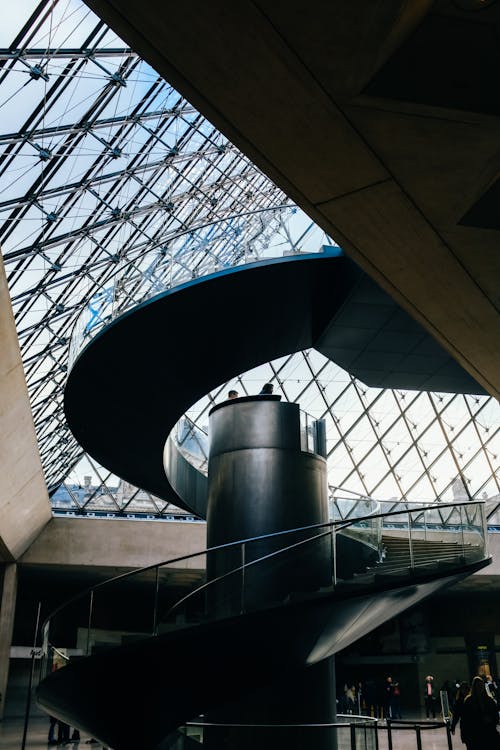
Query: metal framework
[[113, 187]]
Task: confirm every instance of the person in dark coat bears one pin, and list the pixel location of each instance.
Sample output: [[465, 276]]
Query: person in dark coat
[[267, 389], [389, 693], [458, 704], [479, 719], [396, 701]]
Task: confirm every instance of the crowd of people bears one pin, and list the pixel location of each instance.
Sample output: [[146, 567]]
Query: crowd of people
[[473, 707], [381, 700]]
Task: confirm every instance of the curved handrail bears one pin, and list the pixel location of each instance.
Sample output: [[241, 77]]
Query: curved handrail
[[362, 731], [354, 719], [186, 453], [473, 529], [343, 525], [306, 275], [191, 555], [140, 280], [192, 440]]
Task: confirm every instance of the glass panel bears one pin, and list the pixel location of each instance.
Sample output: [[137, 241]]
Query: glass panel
[[269, 571], [123, 611], [192, 442]]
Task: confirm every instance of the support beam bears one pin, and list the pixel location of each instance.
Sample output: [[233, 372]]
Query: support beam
[[7, 613], [114, 544], [24, 502]]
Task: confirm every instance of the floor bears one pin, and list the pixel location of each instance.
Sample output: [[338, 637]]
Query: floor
[[406, 739], [12, 731], [11, 735]]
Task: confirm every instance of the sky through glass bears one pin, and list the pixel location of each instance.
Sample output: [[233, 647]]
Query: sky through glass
[[113, 188]]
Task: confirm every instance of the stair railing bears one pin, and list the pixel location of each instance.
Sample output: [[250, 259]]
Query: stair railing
[[261, 572], [348, 732]]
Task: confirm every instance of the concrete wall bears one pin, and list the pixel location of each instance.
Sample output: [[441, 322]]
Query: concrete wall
[[114, 543], [117, 543], [24, 503]]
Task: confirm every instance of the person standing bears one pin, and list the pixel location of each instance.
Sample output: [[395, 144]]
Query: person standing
[[491, 687], [351, 699], [458, 704], [396, 701], [478, 723], [51, 739], [359, 697], [388, 698], [430, 697], [267, 389]]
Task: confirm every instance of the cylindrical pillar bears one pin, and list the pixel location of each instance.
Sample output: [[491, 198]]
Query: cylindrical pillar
[[261, 482]]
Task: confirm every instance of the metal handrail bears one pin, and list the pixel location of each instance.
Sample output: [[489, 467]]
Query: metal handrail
[[330, 526], [84, 330], [368, 724], [370, 720], [200, 436], [191, 555], [327, 524]]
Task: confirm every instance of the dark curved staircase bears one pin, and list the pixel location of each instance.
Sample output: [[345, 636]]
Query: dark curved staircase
[[134, 695]]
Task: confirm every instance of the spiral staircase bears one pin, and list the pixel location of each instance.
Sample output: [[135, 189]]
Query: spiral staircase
[[229, 634]]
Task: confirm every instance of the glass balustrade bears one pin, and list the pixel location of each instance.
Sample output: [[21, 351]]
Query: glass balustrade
[[191, 440], [350, 506], [268, 571], [151, 273]]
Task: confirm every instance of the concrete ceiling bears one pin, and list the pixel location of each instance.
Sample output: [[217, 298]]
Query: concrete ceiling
[[380, 118]]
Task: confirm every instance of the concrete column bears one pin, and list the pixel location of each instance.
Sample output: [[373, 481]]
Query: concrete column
[[7, 613], [24, 502]]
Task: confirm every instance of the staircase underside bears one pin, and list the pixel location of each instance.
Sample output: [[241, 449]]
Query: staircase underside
[[162, 682], [192, 338]]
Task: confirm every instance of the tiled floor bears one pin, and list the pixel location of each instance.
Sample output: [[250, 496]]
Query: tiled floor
[[11, 734], [12, 730], [403, 737], [406, 739]]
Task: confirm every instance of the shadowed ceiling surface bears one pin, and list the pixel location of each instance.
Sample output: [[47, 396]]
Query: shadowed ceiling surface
[[380, 119]]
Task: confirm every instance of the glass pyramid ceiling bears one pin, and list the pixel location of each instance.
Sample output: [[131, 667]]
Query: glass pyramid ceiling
[[109, 176]]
